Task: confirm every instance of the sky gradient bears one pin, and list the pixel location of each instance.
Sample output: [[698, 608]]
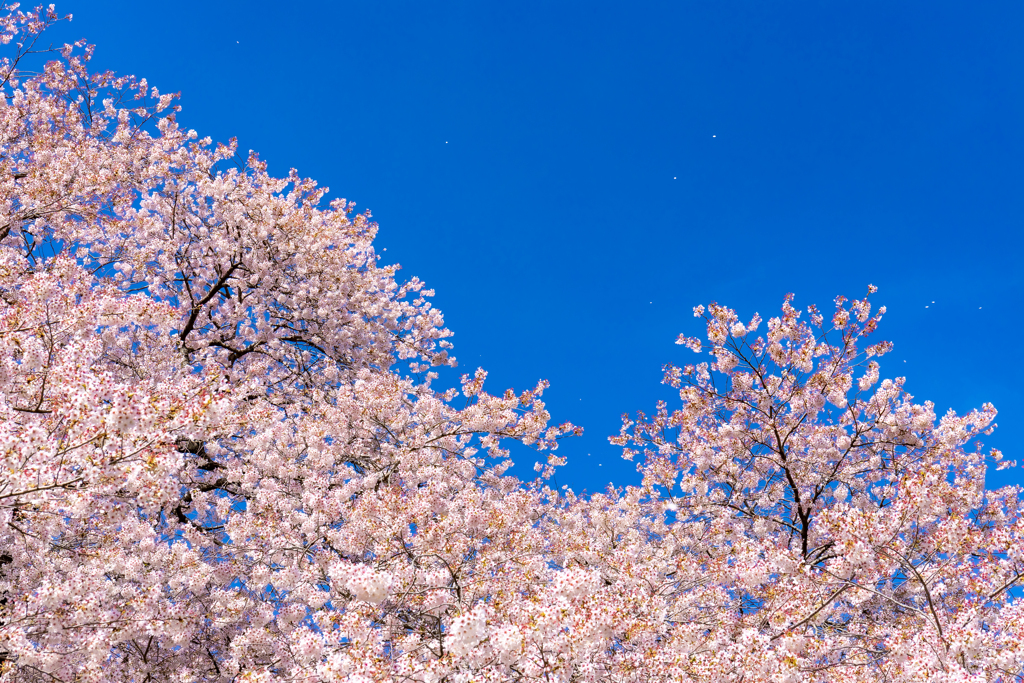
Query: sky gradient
[[572, 178]]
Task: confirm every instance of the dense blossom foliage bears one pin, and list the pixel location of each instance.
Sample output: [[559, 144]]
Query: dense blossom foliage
[[842, 532], [223, 458]]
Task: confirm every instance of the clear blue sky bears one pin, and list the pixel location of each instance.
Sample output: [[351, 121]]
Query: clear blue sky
[[573, 177]]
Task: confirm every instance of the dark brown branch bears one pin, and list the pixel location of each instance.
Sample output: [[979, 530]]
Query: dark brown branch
[[197, 307]]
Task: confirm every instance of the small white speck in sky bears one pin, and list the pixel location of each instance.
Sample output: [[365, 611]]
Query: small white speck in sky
[[446, 142], [714, 136], [673, 177]]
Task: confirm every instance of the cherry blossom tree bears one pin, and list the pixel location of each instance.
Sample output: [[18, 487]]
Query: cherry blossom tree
[[222, 453], [843, 533], [224, 457]]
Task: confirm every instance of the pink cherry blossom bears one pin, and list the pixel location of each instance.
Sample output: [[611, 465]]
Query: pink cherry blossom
[[224, 456]]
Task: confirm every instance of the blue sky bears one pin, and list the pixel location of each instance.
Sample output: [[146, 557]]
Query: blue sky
[[573, 177]]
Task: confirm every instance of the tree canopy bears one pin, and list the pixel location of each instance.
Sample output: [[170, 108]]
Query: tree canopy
[[225, 458]]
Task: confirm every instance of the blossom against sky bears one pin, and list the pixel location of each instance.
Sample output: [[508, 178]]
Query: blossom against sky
[[572, 178]]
